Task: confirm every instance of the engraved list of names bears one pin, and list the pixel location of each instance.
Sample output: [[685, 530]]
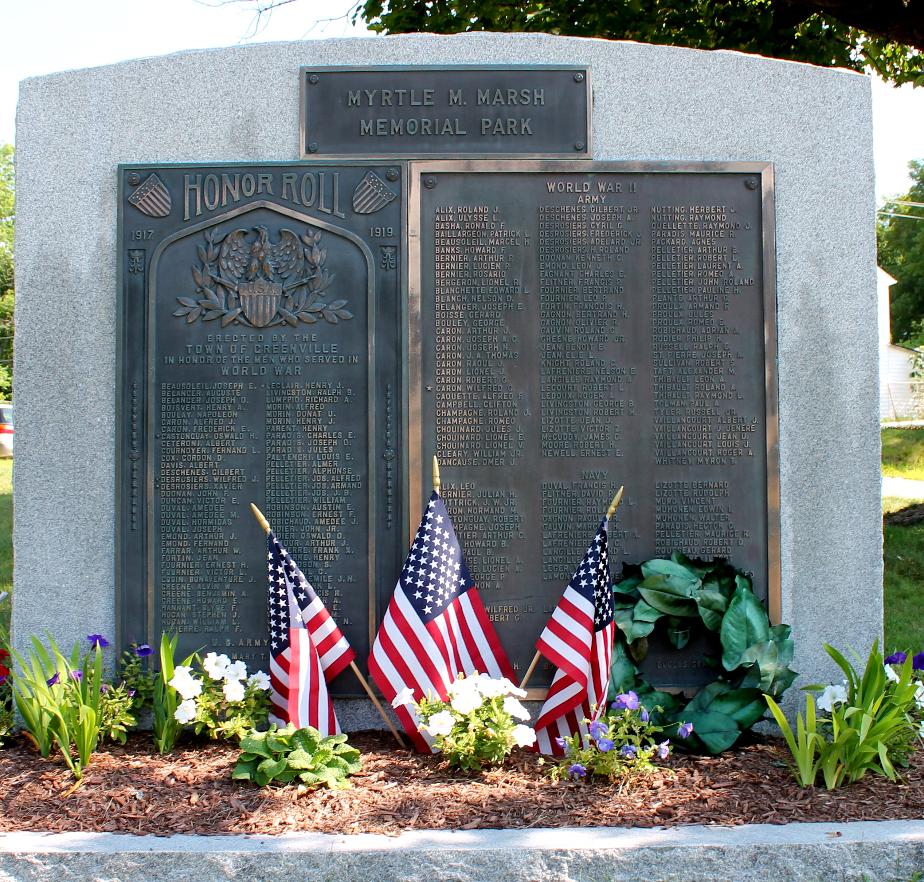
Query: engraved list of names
[[584, 327]]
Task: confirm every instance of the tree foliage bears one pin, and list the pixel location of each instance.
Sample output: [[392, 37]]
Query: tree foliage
[[887, 37], [7, 214], [900, 235]]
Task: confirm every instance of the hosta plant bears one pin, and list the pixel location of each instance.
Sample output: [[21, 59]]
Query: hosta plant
[[677, 600], [475, 727], [284, 756]]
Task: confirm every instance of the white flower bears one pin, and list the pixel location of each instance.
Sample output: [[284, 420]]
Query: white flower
[[466, 702], [440, 723], [523, 736], [463, 684], [919, 696], [405, 696], [491, 688], [513, 689], [831, 696], [186, 711], [237, 670], [233, 690], [890, 674], [515, 709], [259, 680], [184, 683], [214, 665]]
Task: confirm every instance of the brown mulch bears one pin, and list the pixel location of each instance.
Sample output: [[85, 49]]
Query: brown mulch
[[905, 517], [132, 789]]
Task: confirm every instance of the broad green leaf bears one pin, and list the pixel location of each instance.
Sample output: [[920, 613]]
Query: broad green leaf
[[704, 699], [628, 587], [271, 767], [744, 706], [712, 606], [716, 731], [666, 596], [622, 671], [745, 623]]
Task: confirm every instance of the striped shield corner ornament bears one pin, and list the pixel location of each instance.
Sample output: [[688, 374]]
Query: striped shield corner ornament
[[371, 194], [152, 197], [259, 301]]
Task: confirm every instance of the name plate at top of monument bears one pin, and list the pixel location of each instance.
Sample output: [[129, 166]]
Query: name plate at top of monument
[[446, 112]]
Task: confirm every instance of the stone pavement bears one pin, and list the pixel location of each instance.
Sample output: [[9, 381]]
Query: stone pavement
[[874, 851]]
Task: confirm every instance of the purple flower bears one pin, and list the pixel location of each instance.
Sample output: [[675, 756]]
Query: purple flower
[[597, 729], [131, 693], [97, 640], [918, 662], [77, 675], [896, 658], [562, 744], [664, 749], [2, 679], [577, 771], [684, 730], [604, 744], [142, 650], [104, 688], [52, 680], [626, 701], [628, 751], [643, 715]]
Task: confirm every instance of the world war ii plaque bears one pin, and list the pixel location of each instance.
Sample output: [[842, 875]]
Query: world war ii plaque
[[254, 305], [583, 326]]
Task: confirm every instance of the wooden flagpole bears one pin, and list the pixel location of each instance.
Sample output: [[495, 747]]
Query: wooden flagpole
[[261, 519], [609, 514]]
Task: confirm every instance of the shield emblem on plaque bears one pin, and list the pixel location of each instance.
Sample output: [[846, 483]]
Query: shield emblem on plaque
[[259, 301]]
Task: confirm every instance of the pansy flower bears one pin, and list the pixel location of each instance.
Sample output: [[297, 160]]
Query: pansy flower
[[576, 770], [97, 640]]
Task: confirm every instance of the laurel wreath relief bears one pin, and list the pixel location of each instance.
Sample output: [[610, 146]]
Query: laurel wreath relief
[[226, 259]]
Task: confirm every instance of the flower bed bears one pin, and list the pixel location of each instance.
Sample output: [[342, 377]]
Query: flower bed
[[133, 789]]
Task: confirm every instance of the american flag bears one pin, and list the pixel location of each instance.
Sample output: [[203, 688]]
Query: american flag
[[578, 640], [307, 649], [436, 626]]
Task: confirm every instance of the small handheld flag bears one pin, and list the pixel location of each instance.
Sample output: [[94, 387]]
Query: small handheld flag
[[578, 640], [436, 626]]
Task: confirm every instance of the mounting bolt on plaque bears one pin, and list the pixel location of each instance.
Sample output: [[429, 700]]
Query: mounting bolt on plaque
[[134, 179], [429, 183], [579, 78], [314, 79], [751, 183], [392, 174], [579, 145], [313, 147]]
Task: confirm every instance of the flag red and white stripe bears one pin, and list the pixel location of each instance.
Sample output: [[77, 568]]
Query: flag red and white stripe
[[436, 626], [578, 641], [307, 649]]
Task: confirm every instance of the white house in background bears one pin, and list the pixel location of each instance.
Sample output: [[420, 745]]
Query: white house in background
[[896, 397]]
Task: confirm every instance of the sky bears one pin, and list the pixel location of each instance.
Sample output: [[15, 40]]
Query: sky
[[43, 36]]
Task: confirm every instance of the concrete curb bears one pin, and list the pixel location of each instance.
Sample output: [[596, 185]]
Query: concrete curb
[[872, 851]]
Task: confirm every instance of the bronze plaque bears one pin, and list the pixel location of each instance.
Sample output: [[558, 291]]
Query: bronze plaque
[[260, 359], [414, 112], [584, 325]]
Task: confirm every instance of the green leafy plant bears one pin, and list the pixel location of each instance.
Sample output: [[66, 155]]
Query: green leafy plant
[[116, 712], [282, 756], [165, 697], [231, 704], [621, 743], [135, 673], [475, 727], [59, 699], [681, 598], [221, 701], [870, 725]]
